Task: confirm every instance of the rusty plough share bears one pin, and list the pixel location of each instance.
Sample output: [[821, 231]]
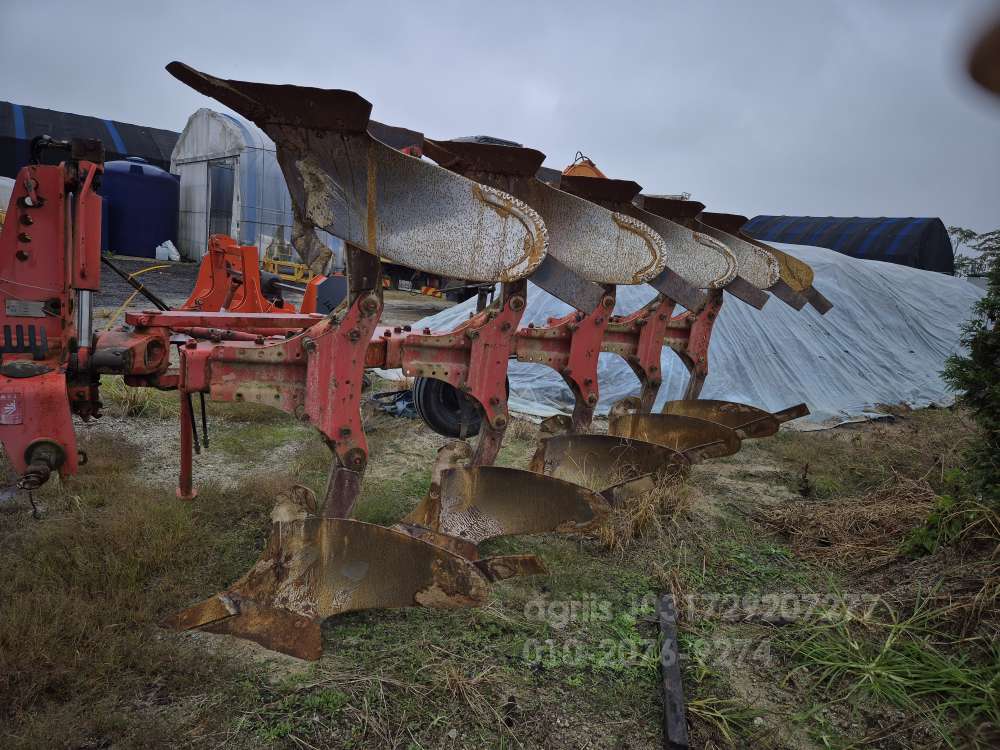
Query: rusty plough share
[[483, 215]]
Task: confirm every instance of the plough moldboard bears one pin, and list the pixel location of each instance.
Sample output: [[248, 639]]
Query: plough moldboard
[[479, 212]]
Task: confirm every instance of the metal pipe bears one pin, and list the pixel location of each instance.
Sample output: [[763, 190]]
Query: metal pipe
[[194, 426], [284, 285], [185, 484], [85, 318], [157, 302], [204, 420]]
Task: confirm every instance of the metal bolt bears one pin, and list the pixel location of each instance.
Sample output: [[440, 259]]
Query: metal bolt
[[353, 335], [500, 421], [516, 303], [592, 399], [345, 432], [24, 237], [308, 345], [505, 327], [472, 333], [608, 302]]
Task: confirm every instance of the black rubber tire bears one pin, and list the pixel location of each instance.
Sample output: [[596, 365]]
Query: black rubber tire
[[439, 404]]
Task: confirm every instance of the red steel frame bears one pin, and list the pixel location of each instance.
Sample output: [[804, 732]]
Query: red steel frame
[[308, 365]]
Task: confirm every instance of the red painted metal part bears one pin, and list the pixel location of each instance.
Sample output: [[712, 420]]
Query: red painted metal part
[[571, 345], [639, 337], [217, 288], [308, 304], [472, 357], [695, 353], [53, 213], [315, 375], [33, 412], [274, 323]]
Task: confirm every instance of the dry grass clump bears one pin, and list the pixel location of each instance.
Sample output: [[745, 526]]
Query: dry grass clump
[[653, 512], [82, 660], [870, 526], [522, 430], [851, 461]]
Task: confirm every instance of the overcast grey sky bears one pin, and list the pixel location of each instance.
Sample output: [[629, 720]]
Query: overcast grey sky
[[821, 107]]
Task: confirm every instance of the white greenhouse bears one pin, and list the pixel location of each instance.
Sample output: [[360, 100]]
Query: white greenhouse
[[231, 184]]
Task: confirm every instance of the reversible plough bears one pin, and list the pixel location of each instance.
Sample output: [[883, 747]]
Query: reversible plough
[[481, 213]]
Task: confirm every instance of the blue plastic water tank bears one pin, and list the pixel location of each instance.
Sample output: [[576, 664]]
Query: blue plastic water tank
[[142, 207]]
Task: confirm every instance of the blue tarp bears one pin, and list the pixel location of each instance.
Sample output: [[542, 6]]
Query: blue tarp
[[919, 243]]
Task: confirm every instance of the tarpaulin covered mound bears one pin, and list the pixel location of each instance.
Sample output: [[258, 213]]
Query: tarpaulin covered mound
[[884, 342]]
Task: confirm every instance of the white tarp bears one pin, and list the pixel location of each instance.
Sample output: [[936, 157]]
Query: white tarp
[[884, 342]]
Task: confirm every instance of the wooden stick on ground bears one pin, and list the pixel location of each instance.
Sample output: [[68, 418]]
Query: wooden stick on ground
[[675, 735]]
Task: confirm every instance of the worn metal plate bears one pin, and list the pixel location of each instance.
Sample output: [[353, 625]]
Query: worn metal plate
[[599, 245], [602, 461], [693, 261], [564, 284], [490, 501], [696, 437], [397, 206], [786, 294], [748, 421], [24, 308], [820, 303], [796, 273], [747, 292], [701, 260], [753, 263], [314, 568]]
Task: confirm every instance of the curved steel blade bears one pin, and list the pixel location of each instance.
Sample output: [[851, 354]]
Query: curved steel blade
[[314, 568], [753, 264], [797, 274], [748, 421], [683, 434], [600, 245], [375, 197], [602, 461], [489, 501], [701, 261]]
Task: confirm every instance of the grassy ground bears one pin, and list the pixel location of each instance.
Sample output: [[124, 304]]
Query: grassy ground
[[803, 625]]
